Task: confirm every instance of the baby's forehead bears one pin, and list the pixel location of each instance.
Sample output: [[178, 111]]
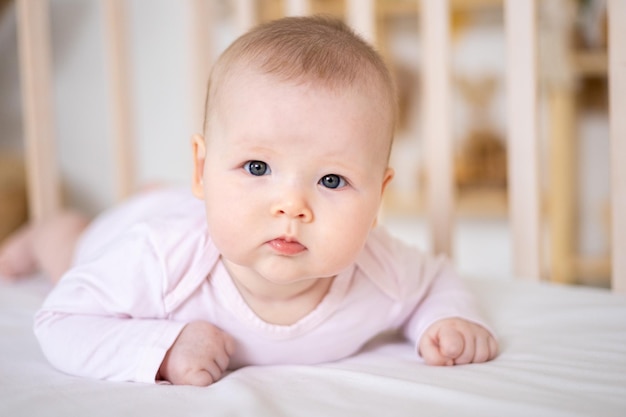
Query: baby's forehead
[[359, 101], [241, 78], [238, 82]]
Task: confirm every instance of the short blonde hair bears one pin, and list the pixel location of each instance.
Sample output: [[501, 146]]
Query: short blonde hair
[[318, 49]]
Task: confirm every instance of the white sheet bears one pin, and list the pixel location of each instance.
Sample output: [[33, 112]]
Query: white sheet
[[563, 354]]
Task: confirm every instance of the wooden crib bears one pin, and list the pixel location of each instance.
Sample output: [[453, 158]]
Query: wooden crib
[[562, 347], [523, 172]]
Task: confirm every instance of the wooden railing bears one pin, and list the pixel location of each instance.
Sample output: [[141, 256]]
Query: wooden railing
[[43, 177]]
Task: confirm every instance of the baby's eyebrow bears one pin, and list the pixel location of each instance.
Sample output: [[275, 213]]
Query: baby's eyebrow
[[251, 146]]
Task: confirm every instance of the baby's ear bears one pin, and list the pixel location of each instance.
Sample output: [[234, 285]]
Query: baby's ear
[[389, 174], [198, 148]]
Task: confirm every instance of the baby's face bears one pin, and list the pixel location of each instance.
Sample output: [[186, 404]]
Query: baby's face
[[293, 176]]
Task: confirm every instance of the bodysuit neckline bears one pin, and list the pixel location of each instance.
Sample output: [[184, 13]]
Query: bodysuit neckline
[[234, 302]]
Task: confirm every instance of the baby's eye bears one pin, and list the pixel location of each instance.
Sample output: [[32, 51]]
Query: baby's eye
[[333, 181], [257, 168]]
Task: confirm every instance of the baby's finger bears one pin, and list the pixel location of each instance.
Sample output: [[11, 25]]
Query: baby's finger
[[199, 378], [469, 350], [429, 350], [451, 342], [214, 370], [229, 345], [493, 347], [482, 352], [222, 360]]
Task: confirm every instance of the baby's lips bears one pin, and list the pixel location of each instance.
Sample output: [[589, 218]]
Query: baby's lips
[[286, 246]]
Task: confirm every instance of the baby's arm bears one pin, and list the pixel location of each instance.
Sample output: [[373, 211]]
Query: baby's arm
[[108, 318], [446, 326], [104, 347], [455, 341], [199, 356]]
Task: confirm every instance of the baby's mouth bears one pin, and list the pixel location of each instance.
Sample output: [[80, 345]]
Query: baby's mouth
[[286, 246]]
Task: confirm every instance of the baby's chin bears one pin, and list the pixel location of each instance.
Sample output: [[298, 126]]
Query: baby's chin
[[283, 269], [299, 279], [287, 278]]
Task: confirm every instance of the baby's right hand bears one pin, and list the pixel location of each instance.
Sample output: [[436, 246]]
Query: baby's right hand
[[199, 356]]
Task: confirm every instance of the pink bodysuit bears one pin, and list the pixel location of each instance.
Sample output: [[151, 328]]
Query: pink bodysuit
[[146, 268]]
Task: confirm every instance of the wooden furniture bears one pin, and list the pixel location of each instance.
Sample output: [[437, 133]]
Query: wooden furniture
[[35, 61], [617, 108], [522, 114]]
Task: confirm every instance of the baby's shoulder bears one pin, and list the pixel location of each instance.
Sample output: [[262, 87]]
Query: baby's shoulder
[[384, 248], [390, 263], [168, 219], [178, 235], [176, 226]]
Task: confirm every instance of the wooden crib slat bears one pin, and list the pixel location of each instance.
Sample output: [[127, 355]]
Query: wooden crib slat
[[617, 103], [522, 137], [121, 107], [44, 195], [435, 18], [201, 24], [361, 16], [297, 7], [245, 15]]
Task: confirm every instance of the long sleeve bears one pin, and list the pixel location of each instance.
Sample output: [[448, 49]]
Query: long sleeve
[[106, 317], [427, 287], [445, 297]]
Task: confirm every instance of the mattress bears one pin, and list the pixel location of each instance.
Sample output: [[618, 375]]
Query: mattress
[[563, 353]]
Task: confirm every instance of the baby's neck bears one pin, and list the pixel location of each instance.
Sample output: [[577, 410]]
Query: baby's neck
[[280, 304]]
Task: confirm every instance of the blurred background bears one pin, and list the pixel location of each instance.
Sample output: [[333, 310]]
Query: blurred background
[[572, 95]]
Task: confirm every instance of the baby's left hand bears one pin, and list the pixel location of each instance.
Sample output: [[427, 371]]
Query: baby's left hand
[[456, 342]]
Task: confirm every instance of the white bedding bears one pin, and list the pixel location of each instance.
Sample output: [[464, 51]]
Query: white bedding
[[563, 353]]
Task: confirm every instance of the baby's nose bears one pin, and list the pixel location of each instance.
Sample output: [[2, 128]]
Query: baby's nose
[[293, 206]]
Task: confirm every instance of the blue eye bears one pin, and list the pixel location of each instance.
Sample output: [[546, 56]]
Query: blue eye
[[332, 181], [257, 168]]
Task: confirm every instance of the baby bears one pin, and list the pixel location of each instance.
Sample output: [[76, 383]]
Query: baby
[[275, 256]]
